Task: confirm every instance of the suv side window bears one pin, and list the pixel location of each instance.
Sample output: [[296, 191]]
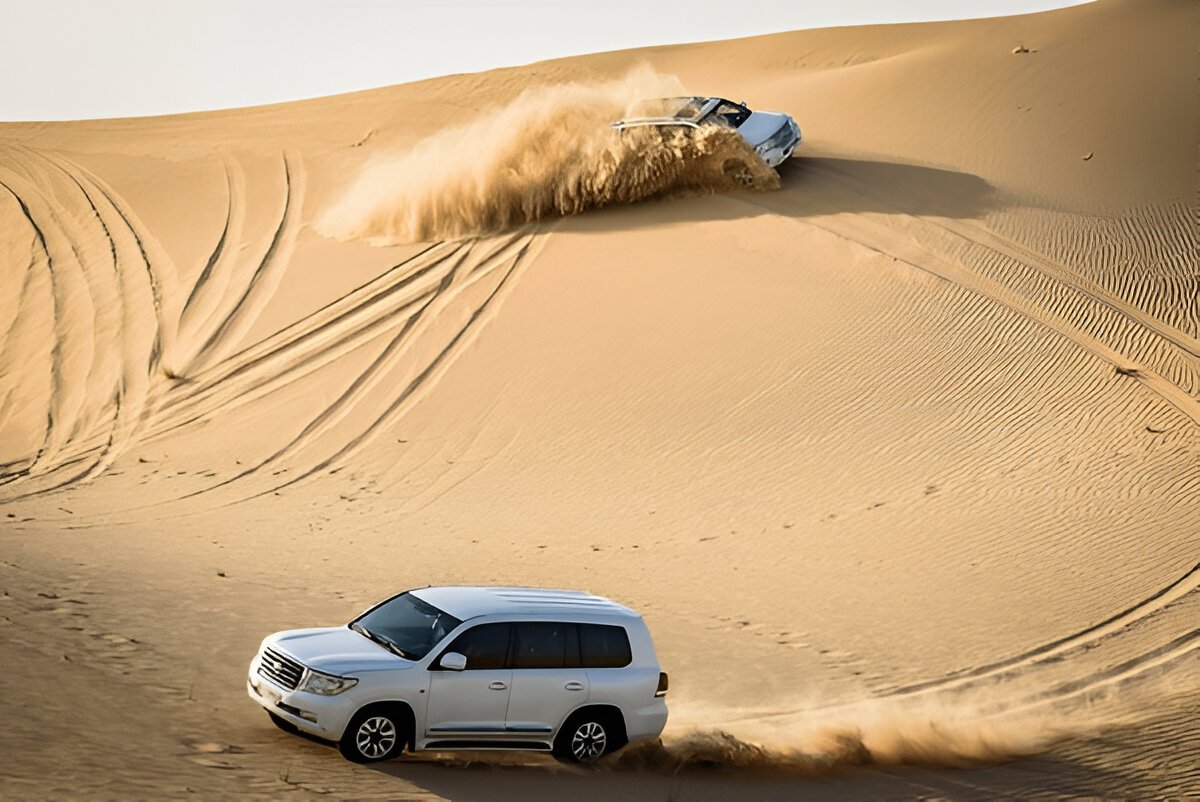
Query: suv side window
[[604, 646], [543, 644], [485, 646]]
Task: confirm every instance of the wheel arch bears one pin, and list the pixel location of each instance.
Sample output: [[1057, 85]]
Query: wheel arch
[[611, 713], [405, 717]]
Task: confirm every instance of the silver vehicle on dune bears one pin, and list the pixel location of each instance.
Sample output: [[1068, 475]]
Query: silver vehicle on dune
[[478, 668], [773, 135]]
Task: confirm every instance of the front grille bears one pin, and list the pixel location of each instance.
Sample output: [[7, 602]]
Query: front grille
[[283, 671], [781, 138]]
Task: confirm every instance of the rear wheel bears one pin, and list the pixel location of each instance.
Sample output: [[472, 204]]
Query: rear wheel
[[373, 735], [587, 737]]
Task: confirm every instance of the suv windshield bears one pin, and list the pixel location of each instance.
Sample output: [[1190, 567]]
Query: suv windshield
[[730, 114], [405, 625]]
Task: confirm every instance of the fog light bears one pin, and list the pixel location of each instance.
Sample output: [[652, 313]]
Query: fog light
[[297, 712]]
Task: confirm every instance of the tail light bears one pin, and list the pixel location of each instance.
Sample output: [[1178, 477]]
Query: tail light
[[662, 684]]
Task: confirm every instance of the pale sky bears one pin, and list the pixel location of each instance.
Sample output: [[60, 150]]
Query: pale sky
[[74, 59]]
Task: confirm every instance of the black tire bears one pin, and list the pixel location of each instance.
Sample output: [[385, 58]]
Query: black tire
[[283, 724], [375, 734], [587, 736]]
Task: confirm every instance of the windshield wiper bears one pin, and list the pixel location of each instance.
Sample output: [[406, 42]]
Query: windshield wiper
[[386, 643]]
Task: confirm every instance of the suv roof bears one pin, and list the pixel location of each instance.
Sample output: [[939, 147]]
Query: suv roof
[[464, 602]]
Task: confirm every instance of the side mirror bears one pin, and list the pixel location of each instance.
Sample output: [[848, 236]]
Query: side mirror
[[453, 661]]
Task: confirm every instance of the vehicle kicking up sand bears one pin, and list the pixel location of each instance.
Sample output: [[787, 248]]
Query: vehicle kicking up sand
[[474, 668], [772, 134]]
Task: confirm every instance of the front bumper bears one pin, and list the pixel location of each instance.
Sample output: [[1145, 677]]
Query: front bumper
[[779, 148], [322, 716]]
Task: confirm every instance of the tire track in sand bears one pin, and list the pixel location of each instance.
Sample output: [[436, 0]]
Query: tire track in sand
[[204, 298], [902, 237], [904, 243], [1053, 650], [398, 364], [264, 279], [227, 296], [424, 382], [207, 307], [73, 215], [107, 300], [64, 356], [1054, 269], [305, 346], [12, 337], [136, 337]]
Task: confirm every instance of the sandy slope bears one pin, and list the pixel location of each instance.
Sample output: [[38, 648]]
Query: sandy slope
[[900, 460]]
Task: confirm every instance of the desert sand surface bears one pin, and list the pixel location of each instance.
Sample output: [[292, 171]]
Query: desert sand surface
[[898, 451]]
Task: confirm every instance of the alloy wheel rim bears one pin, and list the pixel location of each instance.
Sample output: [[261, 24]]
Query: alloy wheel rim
[[589, 741], [376, 736]]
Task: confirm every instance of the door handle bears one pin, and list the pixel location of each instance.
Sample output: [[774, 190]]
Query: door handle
[[574, 686], [497, 686]]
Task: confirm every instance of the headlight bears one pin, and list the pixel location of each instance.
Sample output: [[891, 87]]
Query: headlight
[[327, 684], [780, 139]]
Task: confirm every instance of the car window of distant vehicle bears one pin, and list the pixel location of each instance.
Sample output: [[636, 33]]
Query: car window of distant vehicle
[[730, 114], [406, 625]]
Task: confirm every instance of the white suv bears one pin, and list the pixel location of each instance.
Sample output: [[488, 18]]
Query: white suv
[[469, 668]]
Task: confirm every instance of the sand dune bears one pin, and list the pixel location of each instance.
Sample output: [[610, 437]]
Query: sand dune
[[897, 450]]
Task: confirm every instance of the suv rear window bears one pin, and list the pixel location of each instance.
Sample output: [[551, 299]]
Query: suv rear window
[[602, 646]]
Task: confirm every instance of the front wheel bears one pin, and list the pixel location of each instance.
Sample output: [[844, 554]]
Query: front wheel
[[372, 736], [585, 739]]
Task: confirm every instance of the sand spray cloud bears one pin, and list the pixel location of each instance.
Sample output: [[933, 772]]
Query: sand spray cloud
[[870, 733], [551, 152]]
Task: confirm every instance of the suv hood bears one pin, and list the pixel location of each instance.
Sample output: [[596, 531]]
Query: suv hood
[[336, 650], [761, 126]]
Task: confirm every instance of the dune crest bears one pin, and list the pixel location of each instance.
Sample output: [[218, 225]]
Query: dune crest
[[549, 153]]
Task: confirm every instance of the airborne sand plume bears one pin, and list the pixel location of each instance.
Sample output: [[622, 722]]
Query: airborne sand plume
[[989, 724], [949, 736], [551, 152]]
